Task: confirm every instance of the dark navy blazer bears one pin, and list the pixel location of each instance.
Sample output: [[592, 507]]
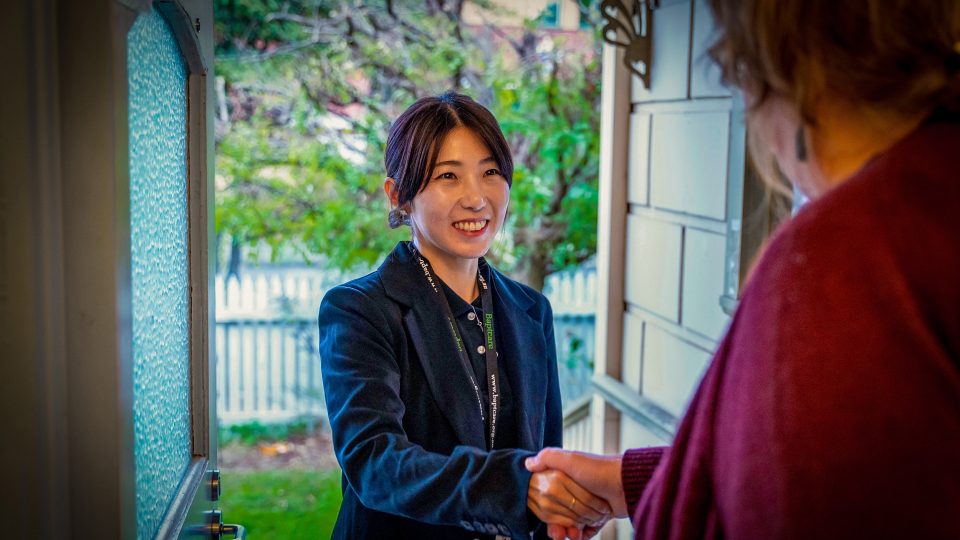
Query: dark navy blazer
[[406, 426]]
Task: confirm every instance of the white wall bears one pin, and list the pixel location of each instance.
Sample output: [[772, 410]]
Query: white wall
[[680, 132]]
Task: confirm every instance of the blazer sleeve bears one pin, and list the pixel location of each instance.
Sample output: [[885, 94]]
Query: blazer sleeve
[[553, 428], [478, 490]]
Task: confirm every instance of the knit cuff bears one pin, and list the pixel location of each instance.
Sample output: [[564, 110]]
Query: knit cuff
[[636, 469]]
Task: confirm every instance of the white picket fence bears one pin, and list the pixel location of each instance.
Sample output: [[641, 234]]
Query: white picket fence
[[573, 292], [573, 297], [268, 366]]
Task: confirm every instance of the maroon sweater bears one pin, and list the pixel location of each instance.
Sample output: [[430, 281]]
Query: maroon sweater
[[832, 406]]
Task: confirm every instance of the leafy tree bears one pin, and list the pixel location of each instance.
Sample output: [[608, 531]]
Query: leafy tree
[[310, 88]]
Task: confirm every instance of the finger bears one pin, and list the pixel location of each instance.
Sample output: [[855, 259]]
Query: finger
[[556, 532], [552, 499], [592, 529], [553, 457], [588, 505], [580, 511], [557, 494], [572, 512], [574, 533], [549, 513], [538, 462]]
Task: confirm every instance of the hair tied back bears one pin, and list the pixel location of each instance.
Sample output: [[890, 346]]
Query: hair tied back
[[397, 217]]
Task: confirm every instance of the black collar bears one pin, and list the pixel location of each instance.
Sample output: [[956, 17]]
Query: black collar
[[458, 306]]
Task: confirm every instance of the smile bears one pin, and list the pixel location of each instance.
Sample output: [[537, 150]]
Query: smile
[[471, 225]]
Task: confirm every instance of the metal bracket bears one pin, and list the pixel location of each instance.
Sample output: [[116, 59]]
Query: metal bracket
[[630, 27], [215, 528], [213, 483]]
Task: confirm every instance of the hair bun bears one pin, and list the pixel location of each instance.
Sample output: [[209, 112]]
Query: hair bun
[[397, 217]]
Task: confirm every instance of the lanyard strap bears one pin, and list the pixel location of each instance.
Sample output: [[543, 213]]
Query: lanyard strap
[[486, 302]]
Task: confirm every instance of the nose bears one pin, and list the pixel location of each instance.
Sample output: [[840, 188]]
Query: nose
[[473, 197]]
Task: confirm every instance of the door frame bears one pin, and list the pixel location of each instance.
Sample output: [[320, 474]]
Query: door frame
[[83, 402], [192, 24]]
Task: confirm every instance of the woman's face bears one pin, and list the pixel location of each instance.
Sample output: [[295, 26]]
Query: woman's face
[[463, 206]]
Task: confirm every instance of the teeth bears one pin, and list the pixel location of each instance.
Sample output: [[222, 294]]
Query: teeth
[[470, 225]]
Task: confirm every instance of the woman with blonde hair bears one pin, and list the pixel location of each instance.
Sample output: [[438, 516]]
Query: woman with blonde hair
[[832, 406]]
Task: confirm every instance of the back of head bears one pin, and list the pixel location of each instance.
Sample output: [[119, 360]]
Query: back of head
[[885, 55]]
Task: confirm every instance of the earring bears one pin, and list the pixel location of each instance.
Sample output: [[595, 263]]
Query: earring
[[801, 145]]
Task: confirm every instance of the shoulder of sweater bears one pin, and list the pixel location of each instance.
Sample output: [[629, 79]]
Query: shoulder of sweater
[[870, 219]]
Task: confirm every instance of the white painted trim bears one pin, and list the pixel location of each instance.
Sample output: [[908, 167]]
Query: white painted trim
[[649, 414], [611, 232], [685, 106], [684, 219], [612, 210], [691, 337]]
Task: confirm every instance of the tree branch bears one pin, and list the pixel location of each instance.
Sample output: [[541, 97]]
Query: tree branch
[[265, 55]]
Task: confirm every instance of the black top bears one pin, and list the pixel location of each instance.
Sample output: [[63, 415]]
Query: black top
[[468, 316]]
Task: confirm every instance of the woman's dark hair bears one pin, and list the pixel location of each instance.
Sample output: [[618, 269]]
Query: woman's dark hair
[[416, 137], [889, 55]]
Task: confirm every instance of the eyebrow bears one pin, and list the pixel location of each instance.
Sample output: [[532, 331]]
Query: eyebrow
[[455, 163]]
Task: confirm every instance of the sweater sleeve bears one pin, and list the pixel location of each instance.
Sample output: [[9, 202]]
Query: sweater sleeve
[[636, 469]]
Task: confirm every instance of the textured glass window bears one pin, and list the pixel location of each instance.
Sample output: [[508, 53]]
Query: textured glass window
[[157, 80]]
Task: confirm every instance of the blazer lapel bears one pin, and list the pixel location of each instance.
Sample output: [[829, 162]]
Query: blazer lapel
[[524, 354], [446, 375]]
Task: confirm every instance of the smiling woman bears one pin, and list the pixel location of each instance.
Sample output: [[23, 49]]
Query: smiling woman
[[440, 373], [458, 209]]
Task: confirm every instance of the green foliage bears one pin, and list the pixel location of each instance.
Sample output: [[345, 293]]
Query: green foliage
[[246, 24], [554, 199], [312, 88], [578, 356], [251, 433], [282, 503]]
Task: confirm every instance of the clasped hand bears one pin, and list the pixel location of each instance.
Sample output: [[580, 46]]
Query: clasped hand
[[575, 493]]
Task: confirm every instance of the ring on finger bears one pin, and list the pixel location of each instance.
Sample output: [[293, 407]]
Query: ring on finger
[[573, 503]]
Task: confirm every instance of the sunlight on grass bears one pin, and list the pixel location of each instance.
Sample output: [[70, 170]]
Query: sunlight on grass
[[282, 503]]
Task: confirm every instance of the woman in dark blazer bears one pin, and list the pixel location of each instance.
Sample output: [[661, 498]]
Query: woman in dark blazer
[[440, 373]]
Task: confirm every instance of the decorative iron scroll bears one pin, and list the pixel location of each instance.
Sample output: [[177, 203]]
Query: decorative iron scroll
[[630, 27]]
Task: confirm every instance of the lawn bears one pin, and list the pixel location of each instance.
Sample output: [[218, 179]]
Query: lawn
[[282, 504]]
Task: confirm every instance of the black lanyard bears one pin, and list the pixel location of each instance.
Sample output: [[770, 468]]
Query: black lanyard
[[486, 303]]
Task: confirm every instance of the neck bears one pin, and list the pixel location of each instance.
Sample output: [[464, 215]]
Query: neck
[[847, 137], [459, 274]]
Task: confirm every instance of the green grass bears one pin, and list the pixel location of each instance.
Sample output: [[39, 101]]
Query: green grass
[[250, 433], [282, 504]]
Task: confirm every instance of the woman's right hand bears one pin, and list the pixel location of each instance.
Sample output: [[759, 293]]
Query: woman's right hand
[[558, 500]]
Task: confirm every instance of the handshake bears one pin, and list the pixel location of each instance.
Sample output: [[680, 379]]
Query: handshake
[[575, 493]]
